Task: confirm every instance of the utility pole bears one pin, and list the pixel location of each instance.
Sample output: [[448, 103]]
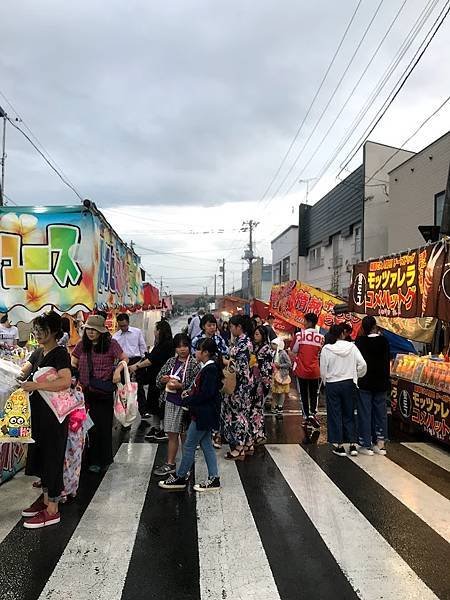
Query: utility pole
[[3, 116], [222, 272], [215, 288], [249, 254]]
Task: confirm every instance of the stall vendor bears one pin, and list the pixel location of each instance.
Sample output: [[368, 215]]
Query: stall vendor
[[9, 334]]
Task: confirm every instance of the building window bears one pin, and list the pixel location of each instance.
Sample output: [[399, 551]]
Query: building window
[[315, 257], [277, 273], [285, 269], [357, 238], [438, 207]]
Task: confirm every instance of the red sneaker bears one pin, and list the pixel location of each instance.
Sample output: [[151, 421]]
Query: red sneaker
[[37, 506], [42, 519]]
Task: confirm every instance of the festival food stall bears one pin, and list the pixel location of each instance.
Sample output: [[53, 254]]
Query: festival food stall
[[291, 301], [411, 290], [63, 258]]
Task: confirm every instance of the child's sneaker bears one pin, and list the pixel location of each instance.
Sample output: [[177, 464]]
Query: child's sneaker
[[211, 484]]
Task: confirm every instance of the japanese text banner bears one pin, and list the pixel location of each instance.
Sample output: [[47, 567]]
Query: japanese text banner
[[291, 301], [412, 284], [63, 257]]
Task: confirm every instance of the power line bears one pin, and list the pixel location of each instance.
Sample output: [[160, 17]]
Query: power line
[[355, 87], [411, 66], [349, 64], [404, 47], [319, 89], [65, 181], [36, 139], [433, 114]]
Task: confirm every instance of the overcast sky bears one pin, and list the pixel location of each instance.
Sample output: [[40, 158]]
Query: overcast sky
[[174, 116]]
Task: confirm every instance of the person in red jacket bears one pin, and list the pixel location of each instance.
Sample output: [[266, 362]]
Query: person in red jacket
[[305, 351]]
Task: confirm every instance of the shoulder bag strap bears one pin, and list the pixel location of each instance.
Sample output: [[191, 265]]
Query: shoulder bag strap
[[90, 364]]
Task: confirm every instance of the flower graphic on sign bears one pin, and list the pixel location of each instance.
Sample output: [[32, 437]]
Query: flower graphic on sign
[[24, 225], [39, 294]]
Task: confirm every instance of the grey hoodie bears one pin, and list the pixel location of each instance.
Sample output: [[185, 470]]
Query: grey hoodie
[[341, 361]]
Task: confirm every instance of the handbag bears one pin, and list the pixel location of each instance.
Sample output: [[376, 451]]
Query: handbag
[[229, 378], [60, 403], [278, 377], [96, 384], [125, 400]]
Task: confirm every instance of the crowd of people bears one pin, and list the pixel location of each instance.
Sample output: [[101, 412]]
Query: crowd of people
[[206, 390]]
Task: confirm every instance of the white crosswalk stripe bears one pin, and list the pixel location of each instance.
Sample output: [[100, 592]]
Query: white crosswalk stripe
[[371, 565], [226, 534], [95, 562], [427, 504], [235, 553], [431, 452]]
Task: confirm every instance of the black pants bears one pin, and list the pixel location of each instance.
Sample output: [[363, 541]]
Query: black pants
[[45, 457], [101, 410], [308, 389], [142, 400]]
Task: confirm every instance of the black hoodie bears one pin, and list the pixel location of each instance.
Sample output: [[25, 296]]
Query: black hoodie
[[375, 350]]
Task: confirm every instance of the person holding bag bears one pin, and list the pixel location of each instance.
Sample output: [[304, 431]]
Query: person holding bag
[[176, 376], [46, 456], [281, 380], [99, 360]]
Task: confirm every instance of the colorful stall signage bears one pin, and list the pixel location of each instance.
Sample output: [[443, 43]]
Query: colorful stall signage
[[412, 284], [291, 301], [64, 257], [424, 407]]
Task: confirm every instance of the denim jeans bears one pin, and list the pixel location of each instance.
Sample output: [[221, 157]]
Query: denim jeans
[[372, 417], [340, 411], [193, 438]]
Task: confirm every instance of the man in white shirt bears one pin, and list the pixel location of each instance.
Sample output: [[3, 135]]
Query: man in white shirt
[[9, 334], [132, 342], [194, 328]]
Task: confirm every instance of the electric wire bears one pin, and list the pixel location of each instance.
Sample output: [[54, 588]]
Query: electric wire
[[316, 95], [409, 70], [337, 87]]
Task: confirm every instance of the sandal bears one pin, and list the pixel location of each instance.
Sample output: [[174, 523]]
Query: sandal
[[37, 484], [239, 456], [260, 441], [249, 449]]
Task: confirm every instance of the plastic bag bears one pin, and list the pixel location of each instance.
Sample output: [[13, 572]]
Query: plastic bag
[[15, 419], [125, 400], [61, 403], [9, 372]]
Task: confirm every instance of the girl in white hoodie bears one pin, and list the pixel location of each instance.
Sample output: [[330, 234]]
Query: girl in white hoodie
[[341, 364]]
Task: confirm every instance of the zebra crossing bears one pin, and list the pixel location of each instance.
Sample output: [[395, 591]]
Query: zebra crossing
[[291, 522]]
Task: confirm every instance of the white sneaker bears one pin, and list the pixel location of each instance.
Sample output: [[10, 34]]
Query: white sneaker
[[378, 450], [353, 451], [366, 451]]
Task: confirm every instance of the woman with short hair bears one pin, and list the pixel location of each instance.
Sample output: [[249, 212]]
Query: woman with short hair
[[99, 360]]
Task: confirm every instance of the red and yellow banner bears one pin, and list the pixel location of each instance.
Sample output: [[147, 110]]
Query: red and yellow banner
[[293, 300]]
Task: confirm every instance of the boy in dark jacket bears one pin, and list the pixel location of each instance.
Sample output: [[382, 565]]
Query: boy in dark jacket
[[204, 401]]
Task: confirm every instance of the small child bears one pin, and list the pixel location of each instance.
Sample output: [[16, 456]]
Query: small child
[[204, 400], [281, 381]]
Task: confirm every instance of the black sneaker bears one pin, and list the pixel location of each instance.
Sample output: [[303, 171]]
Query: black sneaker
[[164, 470], [279, 411], [151, 435], [173, 483], [339, 451], [353, 450], [210, 485], [314, 422], [161, 436], [145, 416]]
